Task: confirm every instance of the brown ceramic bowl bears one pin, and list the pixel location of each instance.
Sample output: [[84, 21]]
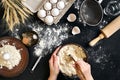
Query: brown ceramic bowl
[[17, 70], [66, 62]]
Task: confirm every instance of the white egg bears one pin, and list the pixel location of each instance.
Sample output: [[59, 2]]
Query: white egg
[[75, 30], [48, 6], [71, 17], [60, 5], [55, 12], [53, 1], [49, 20], [35, 36], [41, 13], [6, 56]]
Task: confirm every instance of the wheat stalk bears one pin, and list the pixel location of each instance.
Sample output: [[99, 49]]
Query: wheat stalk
[[14, 12]]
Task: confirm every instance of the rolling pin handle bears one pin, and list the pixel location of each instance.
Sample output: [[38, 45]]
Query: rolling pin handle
[[94, 41]]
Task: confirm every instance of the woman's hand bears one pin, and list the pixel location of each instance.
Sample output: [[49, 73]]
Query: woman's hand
[[53, 64], [85, 68]]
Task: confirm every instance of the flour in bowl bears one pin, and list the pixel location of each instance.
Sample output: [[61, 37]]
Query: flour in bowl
[[9, 56]]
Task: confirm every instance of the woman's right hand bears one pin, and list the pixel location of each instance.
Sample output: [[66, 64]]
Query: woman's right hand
[[85, 68]]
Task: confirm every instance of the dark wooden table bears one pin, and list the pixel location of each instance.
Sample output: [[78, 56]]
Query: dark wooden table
[[104, 57]]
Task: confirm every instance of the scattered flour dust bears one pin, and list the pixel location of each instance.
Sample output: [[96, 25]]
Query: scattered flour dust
[[102, 58], [77, 4], [49, 36], [103, 24]]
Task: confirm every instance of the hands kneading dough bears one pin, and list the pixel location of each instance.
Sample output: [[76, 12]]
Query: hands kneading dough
[[66, 62], [55, 67]]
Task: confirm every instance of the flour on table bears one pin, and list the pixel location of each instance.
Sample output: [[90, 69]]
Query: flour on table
[[49, 38], [103, 24], [102, 58], [77, 4]]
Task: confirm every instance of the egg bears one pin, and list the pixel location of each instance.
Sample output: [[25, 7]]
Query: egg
[[49, 20], [41, 13], [55, 11], [60, 5], [47, 6], [75, 30], [6, 56], [71, 17], [53, 1], [35, 36]]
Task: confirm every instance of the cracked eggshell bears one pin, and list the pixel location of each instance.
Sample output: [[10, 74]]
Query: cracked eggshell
[[6, 56], [55, 11], [49, 20], [75, 30], [60, 5], [41, 13], [71, 17], [47, 6]]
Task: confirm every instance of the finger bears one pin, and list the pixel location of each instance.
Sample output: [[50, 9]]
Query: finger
[[74, 65], [55, 60], [51, 61], [79, 71], [79, 61], [77, 67], [81, 64], [55, 52]]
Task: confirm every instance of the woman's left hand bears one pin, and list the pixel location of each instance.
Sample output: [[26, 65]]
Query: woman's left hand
[[53, 64]]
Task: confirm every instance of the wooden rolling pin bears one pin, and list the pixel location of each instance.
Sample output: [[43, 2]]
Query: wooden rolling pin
[[106, 32]]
